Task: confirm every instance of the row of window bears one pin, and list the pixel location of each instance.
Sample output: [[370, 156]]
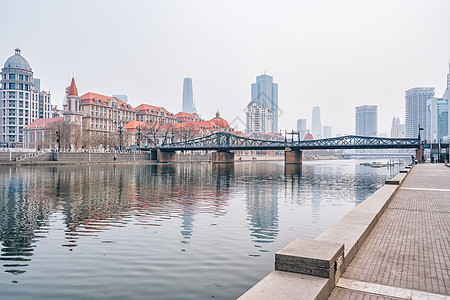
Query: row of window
[[13, 76]]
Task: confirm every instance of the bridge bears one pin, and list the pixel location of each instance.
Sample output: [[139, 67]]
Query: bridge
[[223, 143]]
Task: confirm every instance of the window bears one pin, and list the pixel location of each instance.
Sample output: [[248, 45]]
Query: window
[[12, 95], [26, 77], [21, 86], [12, 76], [20, 77], [20, 103], [12, 85], [26, 87], [20, 112], [20, 95]]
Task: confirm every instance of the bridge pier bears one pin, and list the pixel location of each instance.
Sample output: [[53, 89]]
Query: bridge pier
[[420, 154], [292, 156], [166, 156], [223, 157]]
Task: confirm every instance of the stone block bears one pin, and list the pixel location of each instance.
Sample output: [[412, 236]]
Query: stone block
[[292, 156], [280, 285], [310, 257]]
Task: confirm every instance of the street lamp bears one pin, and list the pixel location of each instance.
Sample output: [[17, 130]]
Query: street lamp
[[120, 137]]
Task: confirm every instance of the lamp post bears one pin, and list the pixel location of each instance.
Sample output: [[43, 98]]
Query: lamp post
[[139, 137], [120, 137]]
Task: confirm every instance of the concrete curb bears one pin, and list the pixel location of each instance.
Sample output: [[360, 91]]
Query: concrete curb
[[350, 232]]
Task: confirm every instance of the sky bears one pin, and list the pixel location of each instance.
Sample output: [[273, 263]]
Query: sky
[[332, 54]]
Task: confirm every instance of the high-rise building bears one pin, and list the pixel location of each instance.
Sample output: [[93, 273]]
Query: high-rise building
[[366, 120], [316, 123], [416, 109], [188, 97], [301, 128], [21, 100], [437, 119], [397, 128], [327, 132], [258, 117], [267, 91]]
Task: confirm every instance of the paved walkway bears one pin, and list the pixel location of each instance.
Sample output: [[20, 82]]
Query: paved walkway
[[407, 255]]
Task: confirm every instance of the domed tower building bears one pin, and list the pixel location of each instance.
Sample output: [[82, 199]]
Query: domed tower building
[[21, 101]]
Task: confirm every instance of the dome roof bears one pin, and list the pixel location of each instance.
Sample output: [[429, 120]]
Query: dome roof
[[17, 61], [309, 136]]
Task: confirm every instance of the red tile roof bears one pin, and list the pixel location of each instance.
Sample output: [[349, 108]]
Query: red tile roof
[[73, 88], [102, 99], [44, 123]]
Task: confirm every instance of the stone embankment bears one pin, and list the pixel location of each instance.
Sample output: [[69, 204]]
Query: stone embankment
[[310, 269]]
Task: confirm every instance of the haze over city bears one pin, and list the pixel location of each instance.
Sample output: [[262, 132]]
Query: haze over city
[[336, 55]]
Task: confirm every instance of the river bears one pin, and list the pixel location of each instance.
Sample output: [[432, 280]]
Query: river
[[167, 231]]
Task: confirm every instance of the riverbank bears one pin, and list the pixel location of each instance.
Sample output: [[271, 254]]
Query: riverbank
[[309, 269]]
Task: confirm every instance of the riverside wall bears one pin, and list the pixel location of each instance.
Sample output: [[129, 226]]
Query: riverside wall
[[309, 269]]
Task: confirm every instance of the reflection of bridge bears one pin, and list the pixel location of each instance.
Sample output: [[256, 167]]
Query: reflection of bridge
[[223, 143]]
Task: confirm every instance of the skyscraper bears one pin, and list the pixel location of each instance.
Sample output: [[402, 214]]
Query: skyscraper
[[301, 128], [437, 119], [327, 132], [416, 109], [316, 123], [366, 120], [397, 128], [21, 101], [267, 91], [188, 98]]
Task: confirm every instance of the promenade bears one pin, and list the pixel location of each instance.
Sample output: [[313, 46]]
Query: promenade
[[407, 254]]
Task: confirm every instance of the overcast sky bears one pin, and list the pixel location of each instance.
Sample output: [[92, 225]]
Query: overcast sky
[[332, 54]]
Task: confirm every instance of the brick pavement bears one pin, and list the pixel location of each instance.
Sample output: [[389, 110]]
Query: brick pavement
[[409, 248]]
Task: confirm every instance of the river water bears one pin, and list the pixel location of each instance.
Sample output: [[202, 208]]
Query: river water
[[172, 231]]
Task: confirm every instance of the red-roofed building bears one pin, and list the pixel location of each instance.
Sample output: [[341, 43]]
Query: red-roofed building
[[154, 114], [104, 114], [39, 134], [187, 117]]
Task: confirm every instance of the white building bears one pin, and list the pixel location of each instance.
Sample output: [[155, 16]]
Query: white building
[[301, 128], [258, 118], [21, 101]]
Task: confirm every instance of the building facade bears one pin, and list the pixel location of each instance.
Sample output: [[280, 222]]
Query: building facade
[[437, 119], [266, 91], [258, 118], [21, 100], [416, 109], [366, 120], [316, 123]]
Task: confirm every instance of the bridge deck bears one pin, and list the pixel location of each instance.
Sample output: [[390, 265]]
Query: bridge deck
[[408, 252]]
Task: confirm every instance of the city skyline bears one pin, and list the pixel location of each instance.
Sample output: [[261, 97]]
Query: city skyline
[[334, 64]]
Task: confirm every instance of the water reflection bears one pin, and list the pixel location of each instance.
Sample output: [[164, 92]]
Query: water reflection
[[88, 202]]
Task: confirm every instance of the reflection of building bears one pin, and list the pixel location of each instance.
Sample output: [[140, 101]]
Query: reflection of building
[[267, 91], [262, 207], [437, 119], [258, 117], [416, 109], [316, 123], [366, 120], [21, 100]]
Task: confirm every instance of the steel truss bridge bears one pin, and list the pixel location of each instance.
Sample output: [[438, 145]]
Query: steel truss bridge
[[222, 141]]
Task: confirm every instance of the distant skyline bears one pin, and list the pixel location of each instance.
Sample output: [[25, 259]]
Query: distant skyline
[[332, 54]]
